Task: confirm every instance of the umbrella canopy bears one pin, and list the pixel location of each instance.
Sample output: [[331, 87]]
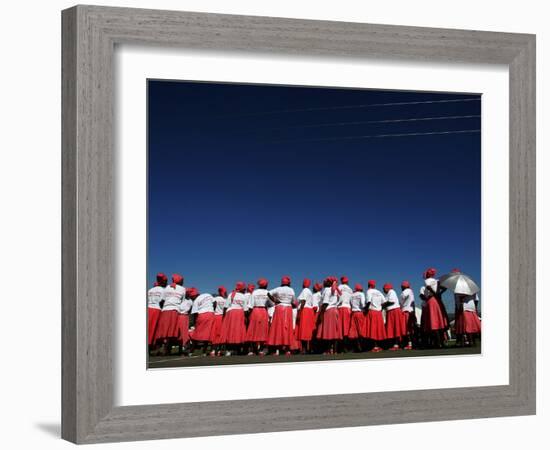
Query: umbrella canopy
[[459, 283]]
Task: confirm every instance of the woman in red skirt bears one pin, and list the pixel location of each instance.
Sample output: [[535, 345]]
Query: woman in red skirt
[[467, 323], [167, 333], [306, 317], [233, 328], [258, 322], [406, 301], [374, 323], [344, 307], [155, 297], [219, 311], [281, 332], [329, 329], [357, 327], [183, 318], [394, 319], [204, 317], [434, 314]]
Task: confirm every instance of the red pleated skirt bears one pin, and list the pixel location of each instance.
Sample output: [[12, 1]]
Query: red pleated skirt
[[258, 326], [329, 329], [281, 331], [216, 331], [153, 315], [233, 328], [409, 321], [433, 316], [357, 326], [167, 326], [203, 327], [467, 322], [306, 324], [394, 324], [374, 326], [183, 329], [344, 315]]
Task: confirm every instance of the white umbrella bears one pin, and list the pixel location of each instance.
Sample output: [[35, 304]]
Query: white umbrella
[[459, 283]]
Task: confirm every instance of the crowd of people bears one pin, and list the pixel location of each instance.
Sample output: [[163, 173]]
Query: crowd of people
[[328, 317]]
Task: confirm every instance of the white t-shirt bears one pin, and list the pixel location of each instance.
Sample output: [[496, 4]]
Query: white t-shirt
[[202, 304], [285, 295], [468, 304], [220, 305], [173, 297], [406, 300], [259, 299], [345, 296], [155, 296], [330, 299], [185, 306], [237, 301], [307, 296], [248, 297], [357, 301], [391, 296], [316, 299], [375, 298], [433, 283]]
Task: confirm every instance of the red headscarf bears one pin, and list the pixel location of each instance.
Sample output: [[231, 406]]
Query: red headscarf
[[176, 279], [162, 280], [222, 291], [156, 283], [250, 288], [455, 270], [344, 279], [285, 281], [192, 293], [388, 286], [262, 283], [306, 283], [240, 286], [359, 287], [405, 284], [429, 273], [372, 283], [317, 287]]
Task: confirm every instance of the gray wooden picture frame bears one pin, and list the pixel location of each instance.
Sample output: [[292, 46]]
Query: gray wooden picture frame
[[89, 37]]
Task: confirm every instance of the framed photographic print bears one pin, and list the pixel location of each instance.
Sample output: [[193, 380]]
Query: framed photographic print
[[272, 200]]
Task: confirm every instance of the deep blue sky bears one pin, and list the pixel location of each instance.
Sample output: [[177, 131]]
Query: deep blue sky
[[244, 183]]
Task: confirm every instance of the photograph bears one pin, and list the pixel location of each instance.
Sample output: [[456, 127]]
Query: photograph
[[311, 223]]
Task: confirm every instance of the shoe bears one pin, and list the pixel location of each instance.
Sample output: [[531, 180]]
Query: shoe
[[376, 350], [261, 354], [250, 354], [212, 354], [408, 347], [394, 348], [228, 353], [288, 354]]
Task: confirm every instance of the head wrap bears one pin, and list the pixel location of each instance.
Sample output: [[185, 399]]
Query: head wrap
[[250, 288], [222, 291], [317, 287], [306, 283], [262, 283], [285, 281], [429, 273], [240, 286], [176, 279], [372, 283], [455, 270], [359, 287], [405, 284], [388, 286], [344, 279], [192, 292], [162, 279]]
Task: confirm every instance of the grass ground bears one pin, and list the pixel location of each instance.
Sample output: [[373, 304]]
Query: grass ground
[[161, 362]]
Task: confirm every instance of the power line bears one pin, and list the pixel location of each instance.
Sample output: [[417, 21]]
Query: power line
[[363, 122], [349, 138], [369, 105]]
